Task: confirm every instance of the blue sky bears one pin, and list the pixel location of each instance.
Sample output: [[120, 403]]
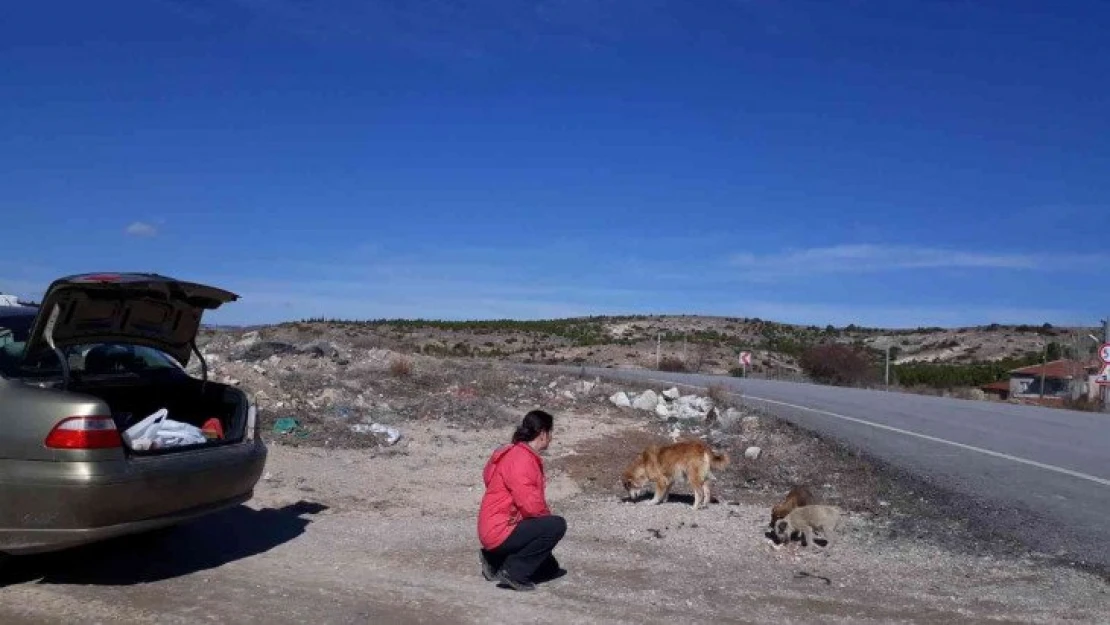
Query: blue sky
[[876, 162]]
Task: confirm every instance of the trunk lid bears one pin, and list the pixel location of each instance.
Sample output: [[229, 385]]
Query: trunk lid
[[135, 308]]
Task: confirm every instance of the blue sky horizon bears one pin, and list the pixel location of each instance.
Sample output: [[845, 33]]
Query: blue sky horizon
[[891, 164]]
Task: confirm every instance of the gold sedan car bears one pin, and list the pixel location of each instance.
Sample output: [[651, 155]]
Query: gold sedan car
[[101, 355]]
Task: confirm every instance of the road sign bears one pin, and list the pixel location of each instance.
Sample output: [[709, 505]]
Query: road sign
[[1103, 378], [746, 359], [1104, 353]]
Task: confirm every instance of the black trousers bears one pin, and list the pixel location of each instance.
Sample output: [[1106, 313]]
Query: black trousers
[[526, 553]]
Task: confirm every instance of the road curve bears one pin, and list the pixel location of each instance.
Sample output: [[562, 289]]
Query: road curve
[[1040, 475]]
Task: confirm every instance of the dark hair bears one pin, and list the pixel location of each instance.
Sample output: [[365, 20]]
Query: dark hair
[[534, 423]]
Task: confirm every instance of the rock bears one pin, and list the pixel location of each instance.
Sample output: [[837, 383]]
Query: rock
[[319, 349], [569, 395], [672, 393], [661, 410], [553, 384], [730, 417], [620, 400], [329, 396], [690, 407], [711, 417], [261, 350], [387, 435], [584, 387], [646, 401], [248, 339], [752, 453]]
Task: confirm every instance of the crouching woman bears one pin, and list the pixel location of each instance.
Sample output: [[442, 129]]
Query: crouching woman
[[515, 526]]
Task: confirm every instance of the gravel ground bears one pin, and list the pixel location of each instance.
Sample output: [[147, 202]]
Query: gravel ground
[[388, 535]]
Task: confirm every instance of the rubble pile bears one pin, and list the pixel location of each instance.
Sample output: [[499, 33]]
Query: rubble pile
[[671, 405], [329, 393]]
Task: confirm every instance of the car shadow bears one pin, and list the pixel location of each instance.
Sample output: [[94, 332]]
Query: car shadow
[[205, 543]]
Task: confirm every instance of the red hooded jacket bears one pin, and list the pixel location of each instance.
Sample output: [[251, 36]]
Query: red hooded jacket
[[514, 490]]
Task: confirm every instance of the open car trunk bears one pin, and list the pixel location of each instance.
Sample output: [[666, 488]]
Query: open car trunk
[[187, 400]]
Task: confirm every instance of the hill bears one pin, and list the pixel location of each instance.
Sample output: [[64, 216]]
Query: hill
[[694, 343]]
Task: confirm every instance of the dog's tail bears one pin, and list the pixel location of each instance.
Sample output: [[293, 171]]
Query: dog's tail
[[718, 460]]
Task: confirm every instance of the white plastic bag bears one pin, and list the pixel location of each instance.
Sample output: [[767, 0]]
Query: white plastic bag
[[140, 436], [176, 434], [157, 431]]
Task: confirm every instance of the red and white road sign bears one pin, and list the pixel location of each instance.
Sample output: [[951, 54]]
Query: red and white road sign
[[746, 359], [1103, 378], [1104, 353]]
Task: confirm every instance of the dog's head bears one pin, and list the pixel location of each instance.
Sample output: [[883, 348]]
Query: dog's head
[[782, 531], [779, 511], [634, 479]]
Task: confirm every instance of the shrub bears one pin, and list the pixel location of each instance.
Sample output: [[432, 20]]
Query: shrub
[[400, 367], [670, 363], [831, 363], [718, 394]]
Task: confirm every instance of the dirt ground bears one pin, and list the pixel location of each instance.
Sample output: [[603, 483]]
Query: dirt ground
[[387, 535]]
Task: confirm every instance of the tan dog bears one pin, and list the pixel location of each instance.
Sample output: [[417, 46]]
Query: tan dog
[[797, 497], [662, 466], [809, 521]]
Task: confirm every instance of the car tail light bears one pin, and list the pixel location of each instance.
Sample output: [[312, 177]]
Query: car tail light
[[84, 433]]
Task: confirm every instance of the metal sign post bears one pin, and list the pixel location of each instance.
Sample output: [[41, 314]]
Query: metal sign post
[[1103, 378]]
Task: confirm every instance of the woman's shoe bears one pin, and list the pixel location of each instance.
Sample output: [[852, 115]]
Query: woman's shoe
[[505, 580], [487, 568]]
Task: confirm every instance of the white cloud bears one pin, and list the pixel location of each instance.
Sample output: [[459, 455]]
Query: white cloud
[[870, 258], [142, 229]]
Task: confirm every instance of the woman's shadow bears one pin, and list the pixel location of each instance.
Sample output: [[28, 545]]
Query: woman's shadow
[[205, 543]]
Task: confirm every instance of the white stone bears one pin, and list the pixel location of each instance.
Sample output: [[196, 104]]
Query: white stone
[[690, 407], [731, 417], [662, 411], [569, 395], [646, 401], [584, 387], [752, 453], [672, 393], [620, 400]]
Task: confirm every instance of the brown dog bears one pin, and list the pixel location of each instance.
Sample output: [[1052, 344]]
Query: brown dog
[[662, 466], [797, 497]]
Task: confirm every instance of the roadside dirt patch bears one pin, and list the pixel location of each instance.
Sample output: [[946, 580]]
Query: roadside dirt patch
[[596, 464]]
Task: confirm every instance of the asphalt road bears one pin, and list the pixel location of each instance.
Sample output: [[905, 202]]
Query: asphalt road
[[1040, 475]]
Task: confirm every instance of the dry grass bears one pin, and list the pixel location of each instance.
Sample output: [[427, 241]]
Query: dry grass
[[719, 395], [400, 367]]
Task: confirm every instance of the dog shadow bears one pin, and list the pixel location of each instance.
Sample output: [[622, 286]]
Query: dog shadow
[[202, 544], [673, 498]]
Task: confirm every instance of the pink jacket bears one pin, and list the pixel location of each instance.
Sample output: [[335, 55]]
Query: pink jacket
[[514, 490]]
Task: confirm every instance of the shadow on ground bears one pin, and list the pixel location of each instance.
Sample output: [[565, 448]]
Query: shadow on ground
[[206, 543]]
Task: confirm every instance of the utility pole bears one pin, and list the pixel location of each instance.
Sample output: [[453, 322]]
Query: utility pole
[[658, 341], [887, 376], [1044, 350], [1105, 390]]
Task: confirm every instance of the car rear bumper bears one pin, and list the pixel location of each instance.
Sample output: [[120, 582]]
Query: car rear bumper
[[46, 506]]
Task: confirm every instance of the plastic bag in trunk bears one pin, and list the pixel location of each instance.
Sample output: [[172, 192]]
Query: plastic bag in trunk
[[158, 432]]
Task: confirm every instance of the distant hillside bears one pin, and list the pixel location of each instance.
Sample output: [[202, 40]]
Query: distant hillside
[[696, 343]]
